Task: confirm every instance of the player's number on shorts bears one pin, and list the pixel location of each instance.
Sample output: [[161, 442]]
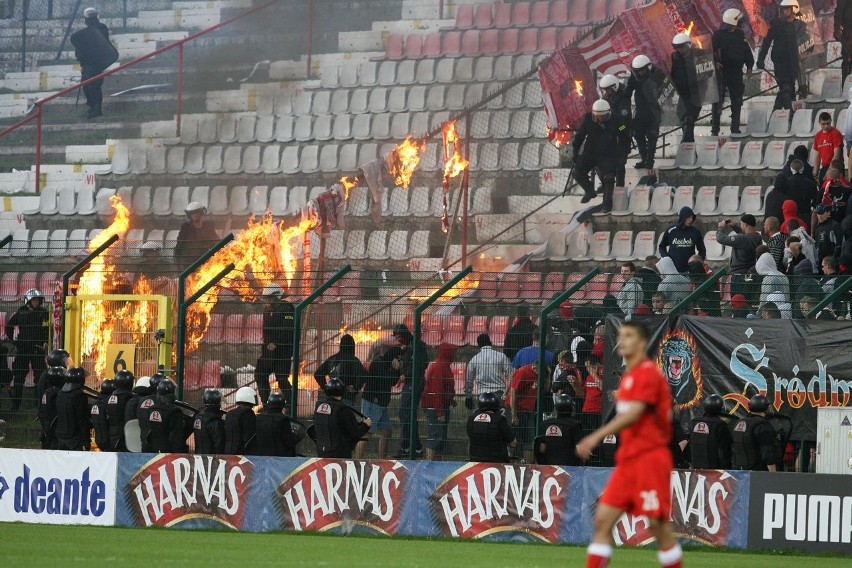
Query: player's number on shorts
[[650, 502]]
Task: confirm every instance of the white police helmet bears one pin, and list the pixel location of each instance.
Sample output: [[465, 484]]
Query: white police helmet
[[272, 291], [32, 294], [681, 39], [90, 12], [608, 82], [640, 62], [247, 395], [732, 16], [194, 206]]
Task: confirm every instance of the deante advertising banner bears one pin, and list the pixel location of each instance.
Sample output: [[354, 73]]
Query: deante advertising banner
[[800, 365]]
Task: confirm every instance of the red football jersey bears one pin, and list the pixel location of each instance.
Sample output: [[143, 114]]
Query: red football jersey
[[645, 383]]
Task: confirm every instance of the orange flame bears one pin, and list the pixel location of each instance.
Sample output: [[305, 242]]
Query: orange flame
[[689, 28], [578, 87], [454, 164], [403, 161], [698, 43], [348, 182], [468, 284]]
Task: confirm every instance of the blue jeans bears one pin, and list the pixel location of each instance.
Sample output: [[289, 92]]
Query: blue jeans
[[405, 417]]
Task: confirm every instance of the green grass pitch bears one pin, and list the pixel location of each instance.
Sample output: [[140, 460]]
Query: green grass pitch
[[34, 546]]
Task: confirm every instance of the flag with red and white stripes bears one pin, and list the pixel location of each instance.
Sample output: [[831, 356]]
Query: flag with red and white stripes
[[601, 55]]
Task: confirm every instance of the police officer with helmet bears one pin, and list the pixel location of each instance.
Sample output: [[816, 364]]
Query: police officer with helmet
[[731, 53], [336, 427], [275, 435], [488, 431], [168, 428], [99, 416], [615, 93], [645, 84], [784, 36], [276, 353], [601, 141], [240, 423], [709, 436], [558, 443], [686, 84], [754, 440], [141, 389], [195, 236], [54, 378], [72, 412], [56, 358], [30, 345], [144, 406], [116, 408], [208, 426]]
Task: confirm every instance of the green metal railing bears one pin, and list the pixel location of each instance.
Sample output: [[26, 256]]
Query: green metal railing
[[698, 292], [841, 289]]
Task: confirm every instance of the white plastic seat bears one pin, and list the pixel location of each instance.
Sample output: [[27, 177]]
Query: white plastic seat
[[297, 198], [141, 200], [179, 200], [66, 199], [58, 243], [622, 246], [303, 130], [207, 130], [661, 200], [77, 241], [232, 159], [378, 100], [803, 120], [435, 98], [162, 201], [339, 102], [705, 200], [599, 246], [213, 160], [227, 129], [309, 159], [481, 127], [218, 201], [577, 245], [86, 201], [503, 68], [359, 103], [416, 99], [361, 127], [531, 156], [398, 202], [645, 245], [445, 71], [238, 201], [348, 159], [302, 103], [755, 124], [356, 248], [480, 200], [775, 156], [685, 157], [252, 160], [729, 200], [377, 245], [381, 125], [357, 205], [729, 155], [322, 127], [271, 159], [342, 127], [387, 73], [683, 197], [520, 124], [425, 72], [397, 247], [483, 69], [321, 102], [456, 97], [285, 129], [751, 201], [464, 70], [328, 158], [335, 245], [639, 202], [38, 243], [707, 156], [753, 155], [290, 160], [418, 247], [400, 126], [189, 129], [200, 194], [367, 74], [329, 77], [397, 99], [406, 72], [489, 157], [500, 124], [278, 201]]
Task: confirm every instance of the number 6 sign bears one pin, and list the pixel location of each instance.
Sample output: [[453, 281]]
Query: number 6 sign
[[121, 356]]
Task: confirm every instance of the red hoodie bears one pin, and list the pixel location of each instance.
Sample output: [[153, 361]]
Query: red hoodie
[[791, 213], [440, 388]]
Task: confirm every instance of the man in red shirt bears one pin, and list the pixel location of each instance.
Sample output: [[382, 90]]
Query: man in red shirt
[[641, 481], [522, 401], [828, 145]]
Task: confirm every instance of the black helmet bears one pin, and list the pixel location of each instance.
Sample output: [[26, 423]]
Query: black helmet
[[714, 404], [488, 401], [166, 390], [155, 380], [212, 398], [563, 404], [107, 386], [334, 387], [124, 379], [276, 399], [76, 376], [758, 403], [55, 376], [58, 358]]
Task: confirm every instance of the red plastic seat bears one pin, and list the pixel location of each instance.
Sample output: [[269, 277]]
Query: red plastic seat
[[432, 44], [332, 293], [211, 374], [459, 375], [521, 14], [497, 328], [413, 46], [547, 40], [529, 41], [253, 330], [464, 16], [476, 325], [9, 287], [616, 285], [470, 43], [554, 283], [451, 44], [567, 36], [29, 280], [509, 41], [454, 330], [215, 334], [580, 11], [488, 287], [540, 14], [489, 43], [509, 290], [559, 12], [192, 373], [394, 47], [433, 328], [482, 17], [597, 11], [408, 321], [47, 282], [572, 279], [531, 286], [233, 331], [502, 16], [597, 288]]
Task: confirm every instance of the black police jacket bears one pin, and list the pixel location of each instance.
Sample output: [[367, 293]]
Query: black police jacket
[[489, 434], [337, 429], [192, 241], [843, 17], [72, 417], [240, 430], [275, 435], [601, 140], [621, 105], [710, 443], [33, 328], [278, 328], [116, 407], [208, 430], [646, 96], [783, 38], [100, 424], [144, 424], [684, 77], [753, 443], [560, 436], [168, 428], [731, 50]]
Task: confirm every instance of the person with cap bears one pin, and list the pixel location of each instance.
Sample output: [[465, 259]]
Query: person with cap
[[241, 423], [828, 236], [208, 428], [407, 376], [145, 404], [785, 35], [740, 308], [100, 418], [336, 427], [32, 321], [683, 240], [54, 379], [345, 366], [615, 92], [685, 81], [489, 433], [196, 235], [558, 443], [843, 34], [753, 438], [646, 83], [774, 198], [275, 436], [828, 146], [116, 409], [169, 428], [710, 437], [95, 53], [731, 53], [438, 396], [487, 371], [743, 241], [602, 140], [72, 413], [276, 352]]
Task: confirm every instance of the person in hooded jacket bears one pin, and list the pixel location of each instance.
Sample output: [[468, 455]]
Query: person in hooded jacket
[[674, 285], [346, 366], [520, 335], [775, 198], [773, 280], [438, 396], [408, 375], [683, 240], [790, 212], [827, 234], [710, 302], [835, 193]]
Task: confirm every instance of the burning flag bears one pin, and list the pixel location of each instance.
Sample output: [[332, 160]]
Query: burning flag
[[563, 76], [403, 161], [348, 182], [578, 87], [454, 164]]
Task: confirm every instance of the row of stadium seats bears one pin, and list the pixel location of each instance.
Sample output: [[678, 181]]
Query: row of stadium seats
[[377, 245], [471, 43], [805, 123], [668, 200], [604, 246], [733, 155], [541, 13]]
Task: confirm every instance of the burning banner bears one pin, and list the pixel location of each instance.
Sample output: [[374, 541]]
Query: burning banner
[[567, 89], [399, 165], [454, 164]]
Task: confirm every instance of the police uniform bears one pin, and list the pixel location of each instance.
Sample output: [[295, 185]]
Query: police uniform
[[732, 52], [599, 146], [99, 417], [209, 431], [560, 436], [710, 443], [116, 409], [30, 346], [689, 99], [609, 446], [489, 434], [240, 430], [619, 101], [277, 330], [142, 415], [336, 428], [47, 413], [168, 430], [754, 443], [649, 113], [843, 34], [784, 38], [72, 418], [275, 435]]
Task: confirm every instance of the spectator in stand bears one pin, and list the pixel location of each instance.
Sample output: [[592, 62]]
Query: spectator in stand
[[828, 145], [773, 239], [631, 294], [568, 379], [835, 193], [807, 303], [800, 235], [803, 189], [650, 278], [685, 81], [520, 334], [777, 196], [731, 53], [784, 36], [769, 311], [785, 308], [710, 302], [802, 154], [382, 374], [683, 240], [743, 240], [739, 307], [799, 264], [438, 396], [674, 286], [522, 402], [829, 271], [529, 354], [773, 279], [846, 229], [593, 405], [847, 127], [791, 213], [659, 304], [827, 235], [488, 371]]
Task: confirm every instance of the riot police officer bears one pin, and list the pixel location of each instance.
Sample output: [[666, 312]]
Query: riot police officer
[[276, 353], [240, 423], [168, 429], [609, 445], [601, 141], [754, 438], [144, 406], [785, 36], [30, 345], [116, 407], [731, 53], [275, 435], [208, 426], [686, 85], [141, 389], [72, 412], [100, 417], [336, 428], [646, 83], [54, 379], [558, 443], [616, 94], [709, 436], [488, 431], [56, 358]]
